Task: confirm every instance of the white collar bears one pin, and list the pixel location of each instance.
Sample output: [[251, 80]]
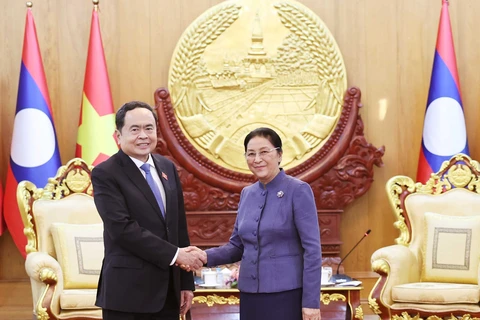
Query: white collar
[[139, 163]]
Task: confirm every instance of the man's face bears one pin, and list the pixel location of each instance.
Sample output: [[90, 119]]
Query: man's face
[[138, 136]]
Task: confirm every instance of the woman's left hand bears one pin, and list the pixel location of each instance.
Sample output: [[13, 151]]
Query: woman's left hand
[[311, 314]]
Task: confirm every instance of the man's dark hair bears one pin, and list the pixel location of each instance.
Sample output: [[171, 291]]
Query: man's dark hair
[[267, 133], [120, 115]]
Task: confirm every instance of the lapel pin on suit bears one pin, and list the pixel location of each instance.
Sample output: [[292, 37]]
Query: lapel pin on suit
[[164, 176], [280, 194]]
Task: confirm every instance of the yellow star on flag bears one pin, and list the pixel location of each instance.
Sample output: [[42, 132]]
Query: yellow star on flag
[[96, 134]]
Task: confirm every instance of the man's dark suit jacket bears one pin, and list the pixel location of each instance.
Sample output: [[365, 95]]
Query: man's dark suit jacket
[[139, 243]]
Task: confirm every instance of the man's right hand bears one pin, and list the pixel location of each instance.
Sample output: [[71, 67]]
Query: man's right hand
[[191, 258]]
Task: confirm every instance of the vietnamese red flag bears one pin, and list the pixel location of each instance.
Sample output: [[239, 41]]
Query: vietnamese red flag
[[95, 139], [2, 220], [34, 154], [444, 130]]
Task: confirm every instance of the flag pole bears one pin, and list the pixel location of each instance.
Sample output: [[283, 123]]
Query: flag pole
[[95, 4]]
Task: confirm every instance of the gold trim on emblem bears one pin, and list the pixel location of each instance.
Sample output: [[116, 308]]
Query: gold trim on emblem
[[246, 64]]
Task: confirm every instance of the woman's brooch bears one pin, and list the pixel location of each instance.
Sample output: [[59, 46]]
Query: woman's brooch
[[280, 194]]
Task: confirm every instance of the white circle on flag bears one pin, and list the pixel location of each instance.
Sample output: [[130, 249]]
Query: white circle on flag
[[444, 131], [33, 140]]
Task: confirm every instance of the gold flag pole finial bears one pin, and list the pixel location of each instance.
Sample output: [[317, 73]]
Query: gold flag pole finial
[[29, 4], [95, 4]]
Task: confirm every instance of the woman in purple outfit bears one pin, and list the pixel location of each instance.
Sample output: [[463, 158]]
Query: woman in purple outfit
[[276, 237]]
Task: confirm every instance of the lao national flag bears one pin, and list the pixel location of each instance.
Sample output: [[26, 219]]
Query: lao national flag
[[444, 132], [34, 153]]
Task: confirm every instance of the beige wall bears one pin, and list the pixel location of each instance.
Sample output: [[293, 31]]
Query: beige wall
[[387, 46]]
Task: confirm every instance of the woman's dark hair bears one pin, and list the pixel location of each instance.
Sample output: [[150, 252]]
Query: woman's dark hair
[[120, 115], [267, 133]]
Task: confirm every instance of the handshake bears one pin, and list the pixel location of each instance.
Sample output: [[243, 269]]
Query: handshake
[[191, 258]]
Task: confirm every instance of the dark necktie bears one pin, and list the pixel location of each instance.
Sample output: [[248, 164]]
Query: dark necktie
[[156, 191]]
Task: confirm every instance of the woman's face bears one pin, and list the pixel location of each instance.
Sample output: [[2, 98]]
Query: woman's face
[[263, 159]]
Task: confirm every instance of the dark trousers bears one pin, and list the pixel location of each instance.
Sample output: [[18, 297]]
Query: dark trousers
[[170, 311], [285, 305]]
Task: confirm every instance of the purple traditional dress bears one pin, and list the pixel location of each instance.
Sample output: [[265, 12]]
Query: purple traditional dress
[[276, 237]]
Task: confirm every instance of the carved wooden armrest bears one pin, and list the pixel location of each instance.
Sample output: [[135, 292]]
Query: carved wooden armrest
[[47, 283]]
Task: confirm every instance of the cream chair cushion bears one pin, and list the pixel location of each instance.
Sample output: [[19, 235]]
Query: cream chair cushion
[[455, 202], [78, 208], [452, 248], [436, 293], [78, 299], [80, 251]]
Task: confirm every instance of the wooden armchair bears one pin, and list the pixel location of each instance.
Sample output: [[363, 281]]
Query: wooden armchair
[[433, 270], [65, 243]]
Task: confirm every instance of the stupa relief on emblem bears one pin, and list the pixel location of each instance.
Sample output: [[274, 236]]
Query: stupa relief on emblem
[[246, 64]]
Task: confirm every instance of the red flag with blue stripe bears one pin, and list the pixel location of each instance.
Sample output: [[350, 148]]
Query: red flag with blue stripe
[[444, 130], [34, 154]]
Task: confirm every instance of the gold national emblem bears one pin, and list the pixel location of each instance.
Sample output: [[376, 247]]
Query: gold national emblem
[[246, 64]]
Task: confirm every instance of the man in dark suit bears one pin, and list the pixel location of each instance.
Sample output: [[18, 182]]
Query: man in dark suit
[[140, 200]]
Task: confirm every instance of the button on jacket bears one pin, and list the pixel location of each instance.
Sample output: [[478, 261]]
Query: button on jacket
[[276, 237]]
